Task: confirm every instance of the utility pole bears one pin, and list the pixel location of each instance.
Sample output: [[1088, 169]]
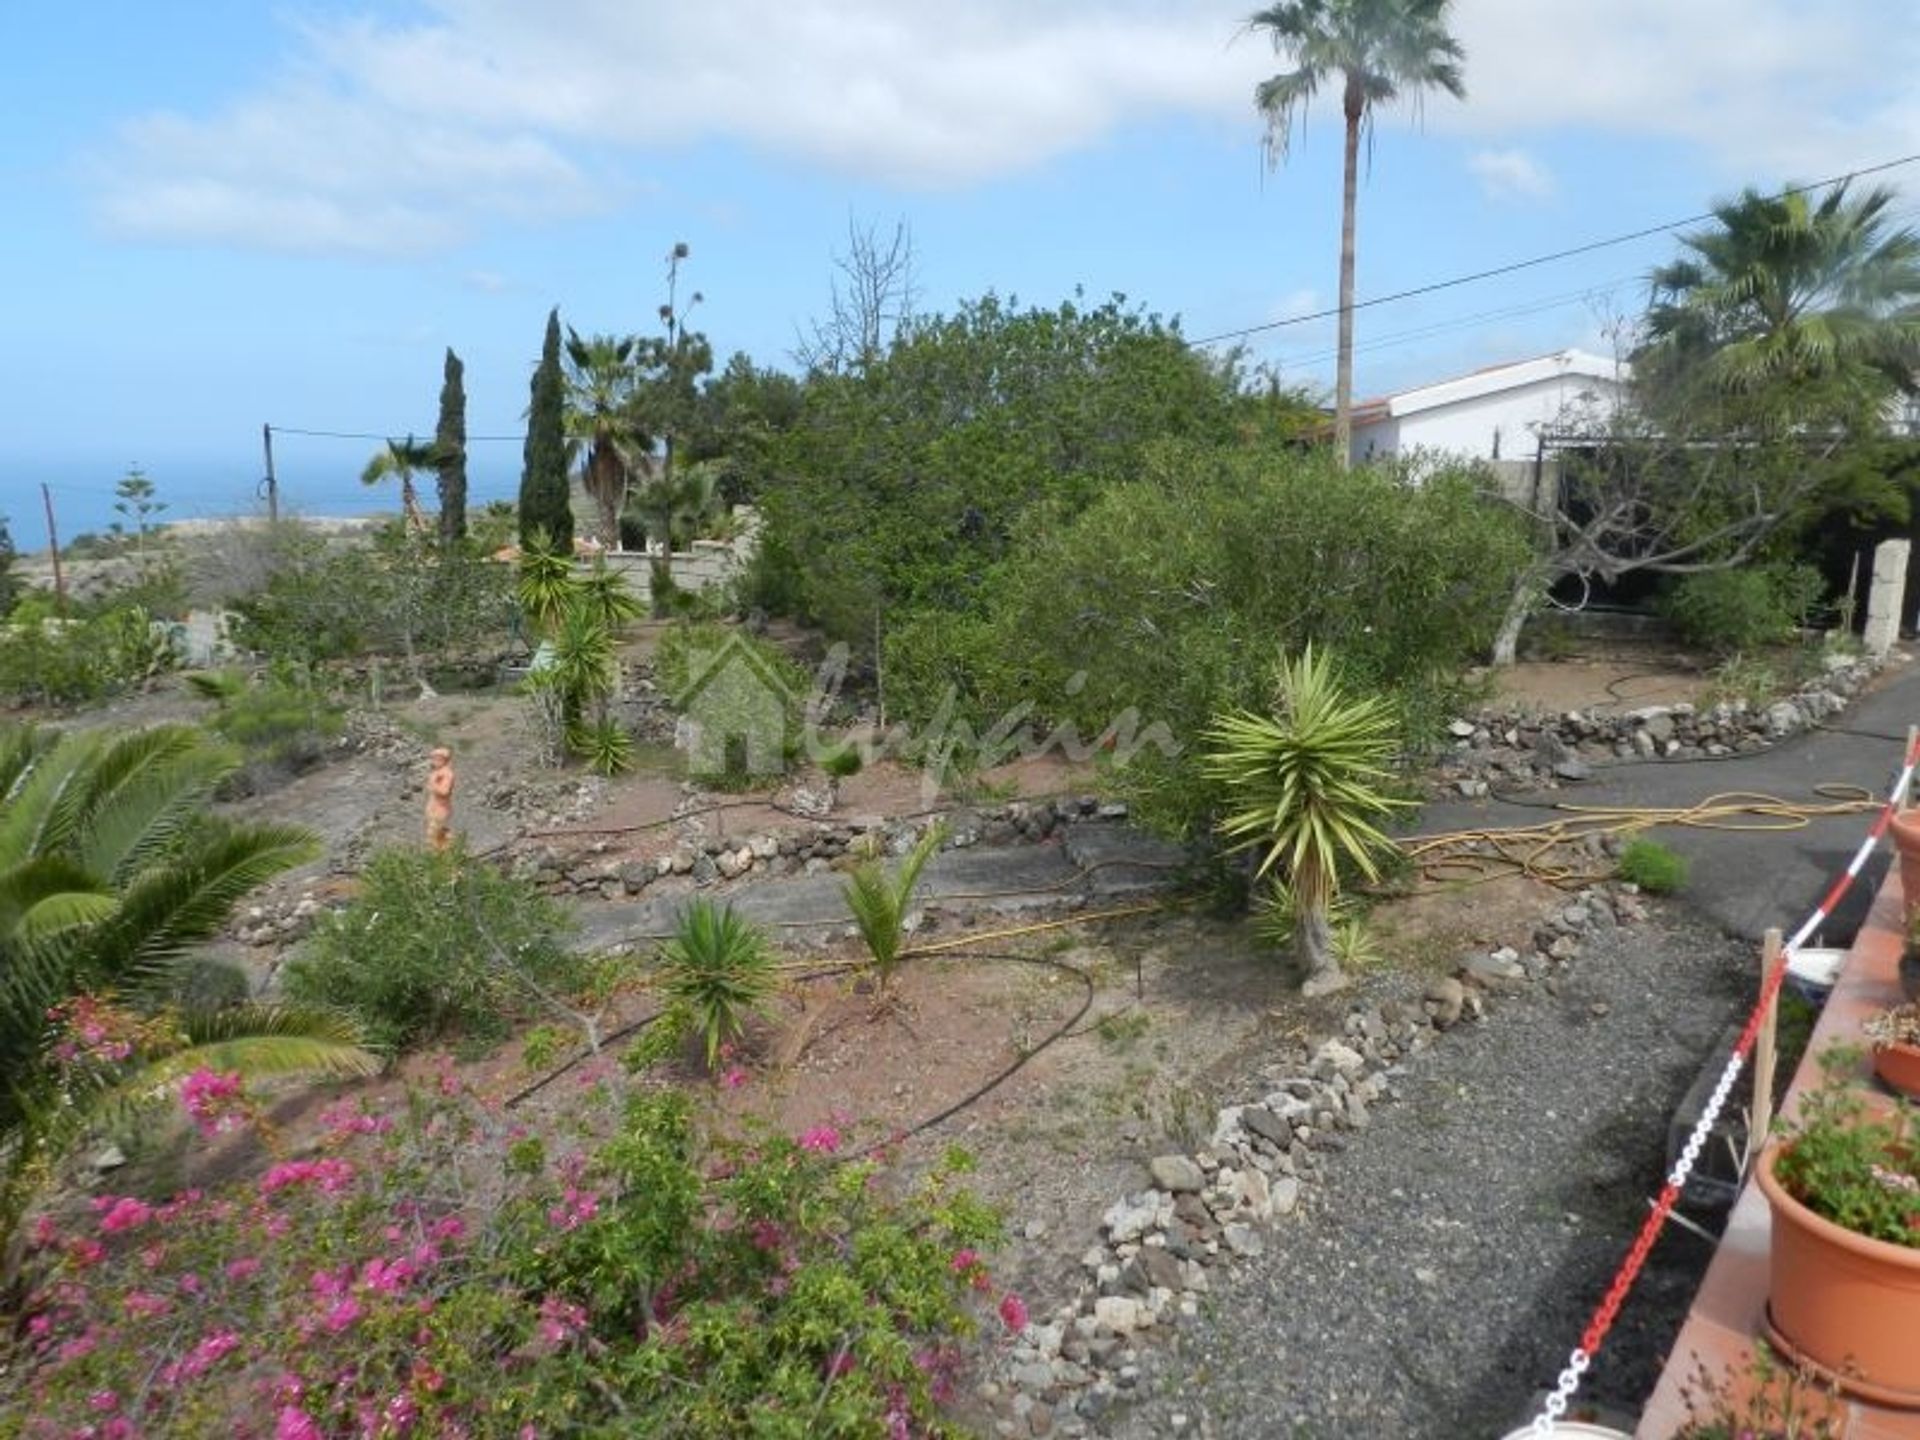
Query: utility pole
[[270, 485], [53, 549]]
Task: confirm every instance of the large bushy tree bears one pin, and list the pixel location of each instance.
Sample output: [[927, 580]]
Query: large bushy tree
[[902, 484], [450, 451], [1376, 52], [1172, 594], [544, 501]]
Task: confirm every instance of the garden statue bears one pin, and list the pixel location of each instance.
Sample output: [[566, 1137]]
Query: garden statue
[[439, 798]]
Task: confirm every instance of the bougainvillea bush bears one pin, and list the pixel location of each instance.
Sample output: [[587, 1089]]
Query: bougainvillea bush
[[433, 1270]]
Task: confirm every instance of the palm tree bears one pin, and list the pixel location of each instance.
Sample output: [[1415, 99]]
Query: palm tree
[[110, 871], [1813, 302], [601, 421], [1305, 785], [400, 459], [1377, 50]]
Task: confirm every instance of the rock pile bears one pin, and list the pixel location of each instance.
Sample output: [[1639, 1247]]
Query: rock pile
[[1162, 1246], [809, 847], [1526, 750]]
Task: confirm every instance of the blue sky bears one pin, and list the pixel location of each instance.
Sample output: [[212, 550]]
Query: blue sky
[[222, 213]]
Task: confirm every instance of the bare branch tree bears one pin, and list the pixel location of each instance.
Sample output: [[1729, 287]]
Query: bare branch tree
[[1625, 497], [871, 301]]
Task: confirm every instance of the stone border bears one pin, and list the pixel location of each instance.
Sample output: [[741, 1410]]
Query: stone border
[[1524, 749]]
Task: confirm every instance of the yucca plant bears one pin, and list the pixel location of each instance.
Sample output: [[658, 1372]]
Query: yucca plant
[[718, 971], [1307, 787], [605, 745], [545, 581], [111, 870], [880, 900]]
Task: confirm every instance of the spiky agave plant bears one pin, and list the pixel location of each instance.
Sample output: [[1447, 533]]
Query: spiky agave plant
[[718, 973], [111, 870], [1307, 787], [880, 899]]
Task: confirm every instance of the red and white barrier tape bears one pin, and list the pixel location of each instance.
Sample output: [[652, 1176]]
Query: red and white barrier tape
[[1608, 1310]]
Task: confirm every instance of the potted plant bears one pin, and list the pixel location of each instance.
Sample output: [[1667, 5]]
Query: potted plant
[[1843, 1183], [1895, 1033]]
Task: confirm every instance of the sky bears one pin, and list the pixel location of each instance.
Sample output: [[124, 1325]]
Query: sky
[[224, 213]]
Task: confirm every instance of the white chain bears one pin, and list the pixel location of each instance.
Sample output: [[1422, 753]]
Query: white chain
[[1709, 1117], [1556, 1406]]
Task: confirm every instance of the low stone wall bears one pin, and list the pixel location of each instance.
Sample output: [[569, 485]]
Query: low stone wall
[[1523, 749]]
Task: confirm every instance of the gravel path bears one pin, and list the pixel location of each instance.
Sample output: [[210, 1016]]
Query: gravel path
[[1442, 1273]]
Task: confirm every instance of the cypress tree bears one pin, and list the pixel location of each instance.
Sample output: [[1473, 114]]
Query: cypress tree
[[450, 452], [544, 501]]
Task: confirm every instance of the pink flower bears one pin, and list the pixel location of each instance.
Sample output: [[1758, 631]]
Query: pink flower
[[964, 1261], [204, 1356], [821, 1139], [142, 1303], [342, 1314], [329, 1175], [733, 1077], [451, 1228], [244, 1268], [216, 1102], [121, 1212], [578, 1207], [293, 1423], [1013, 1313], [560, 1320], [385, 1277], [104, 1401]]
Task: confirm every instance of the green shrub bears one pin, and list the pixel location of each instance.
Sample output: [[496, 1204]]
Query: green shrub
[[1729, 611], [1168, 600], [88, 656], [282, 721], [428, 1271], [842, 761], [1653, 867], [717, 972], [435, 943]]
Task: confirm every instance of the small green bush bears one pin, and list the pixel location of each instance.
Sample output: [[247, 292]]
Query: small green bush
[[843, 761], [718, 972], [1729, 611], [436, 943], [49, 659], [1653, 867]]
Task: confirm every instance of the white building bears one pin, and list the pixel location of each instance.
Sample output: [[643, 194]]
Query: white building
[[1493, 414]]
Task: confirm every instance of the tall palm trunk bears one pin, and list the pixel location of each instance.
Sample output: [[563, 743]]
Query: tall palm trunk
[[1312, 932], [1349, 203]]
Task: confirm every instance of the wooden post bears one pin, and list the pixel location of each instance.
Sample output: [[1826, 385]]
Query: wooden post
[[271, 484], [53, 549], [1764, 1053]]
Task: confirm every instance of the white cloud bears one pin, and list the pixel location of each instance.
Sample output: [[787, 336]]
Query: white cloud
[[1777, 87], [384, 136], [1510, 175]]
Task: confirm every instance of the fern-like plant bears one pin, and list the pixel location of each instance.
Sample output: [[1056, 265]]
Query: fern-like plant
[[1307, 787], [718, 971], [880, 899]]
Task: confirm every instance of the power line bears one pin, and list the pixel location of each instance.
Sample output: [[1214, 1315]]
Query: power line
[[1537, 260], [367, 435]]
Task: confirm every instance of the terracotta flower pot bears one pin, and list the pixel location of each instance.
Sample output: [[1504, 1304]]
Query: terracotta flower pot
[[1899, 1066], [1905, 830], [1847, 1305]]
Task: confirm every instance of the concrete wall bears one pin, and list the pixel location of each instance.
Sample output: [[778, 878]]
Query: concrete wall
[[705, 564]]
